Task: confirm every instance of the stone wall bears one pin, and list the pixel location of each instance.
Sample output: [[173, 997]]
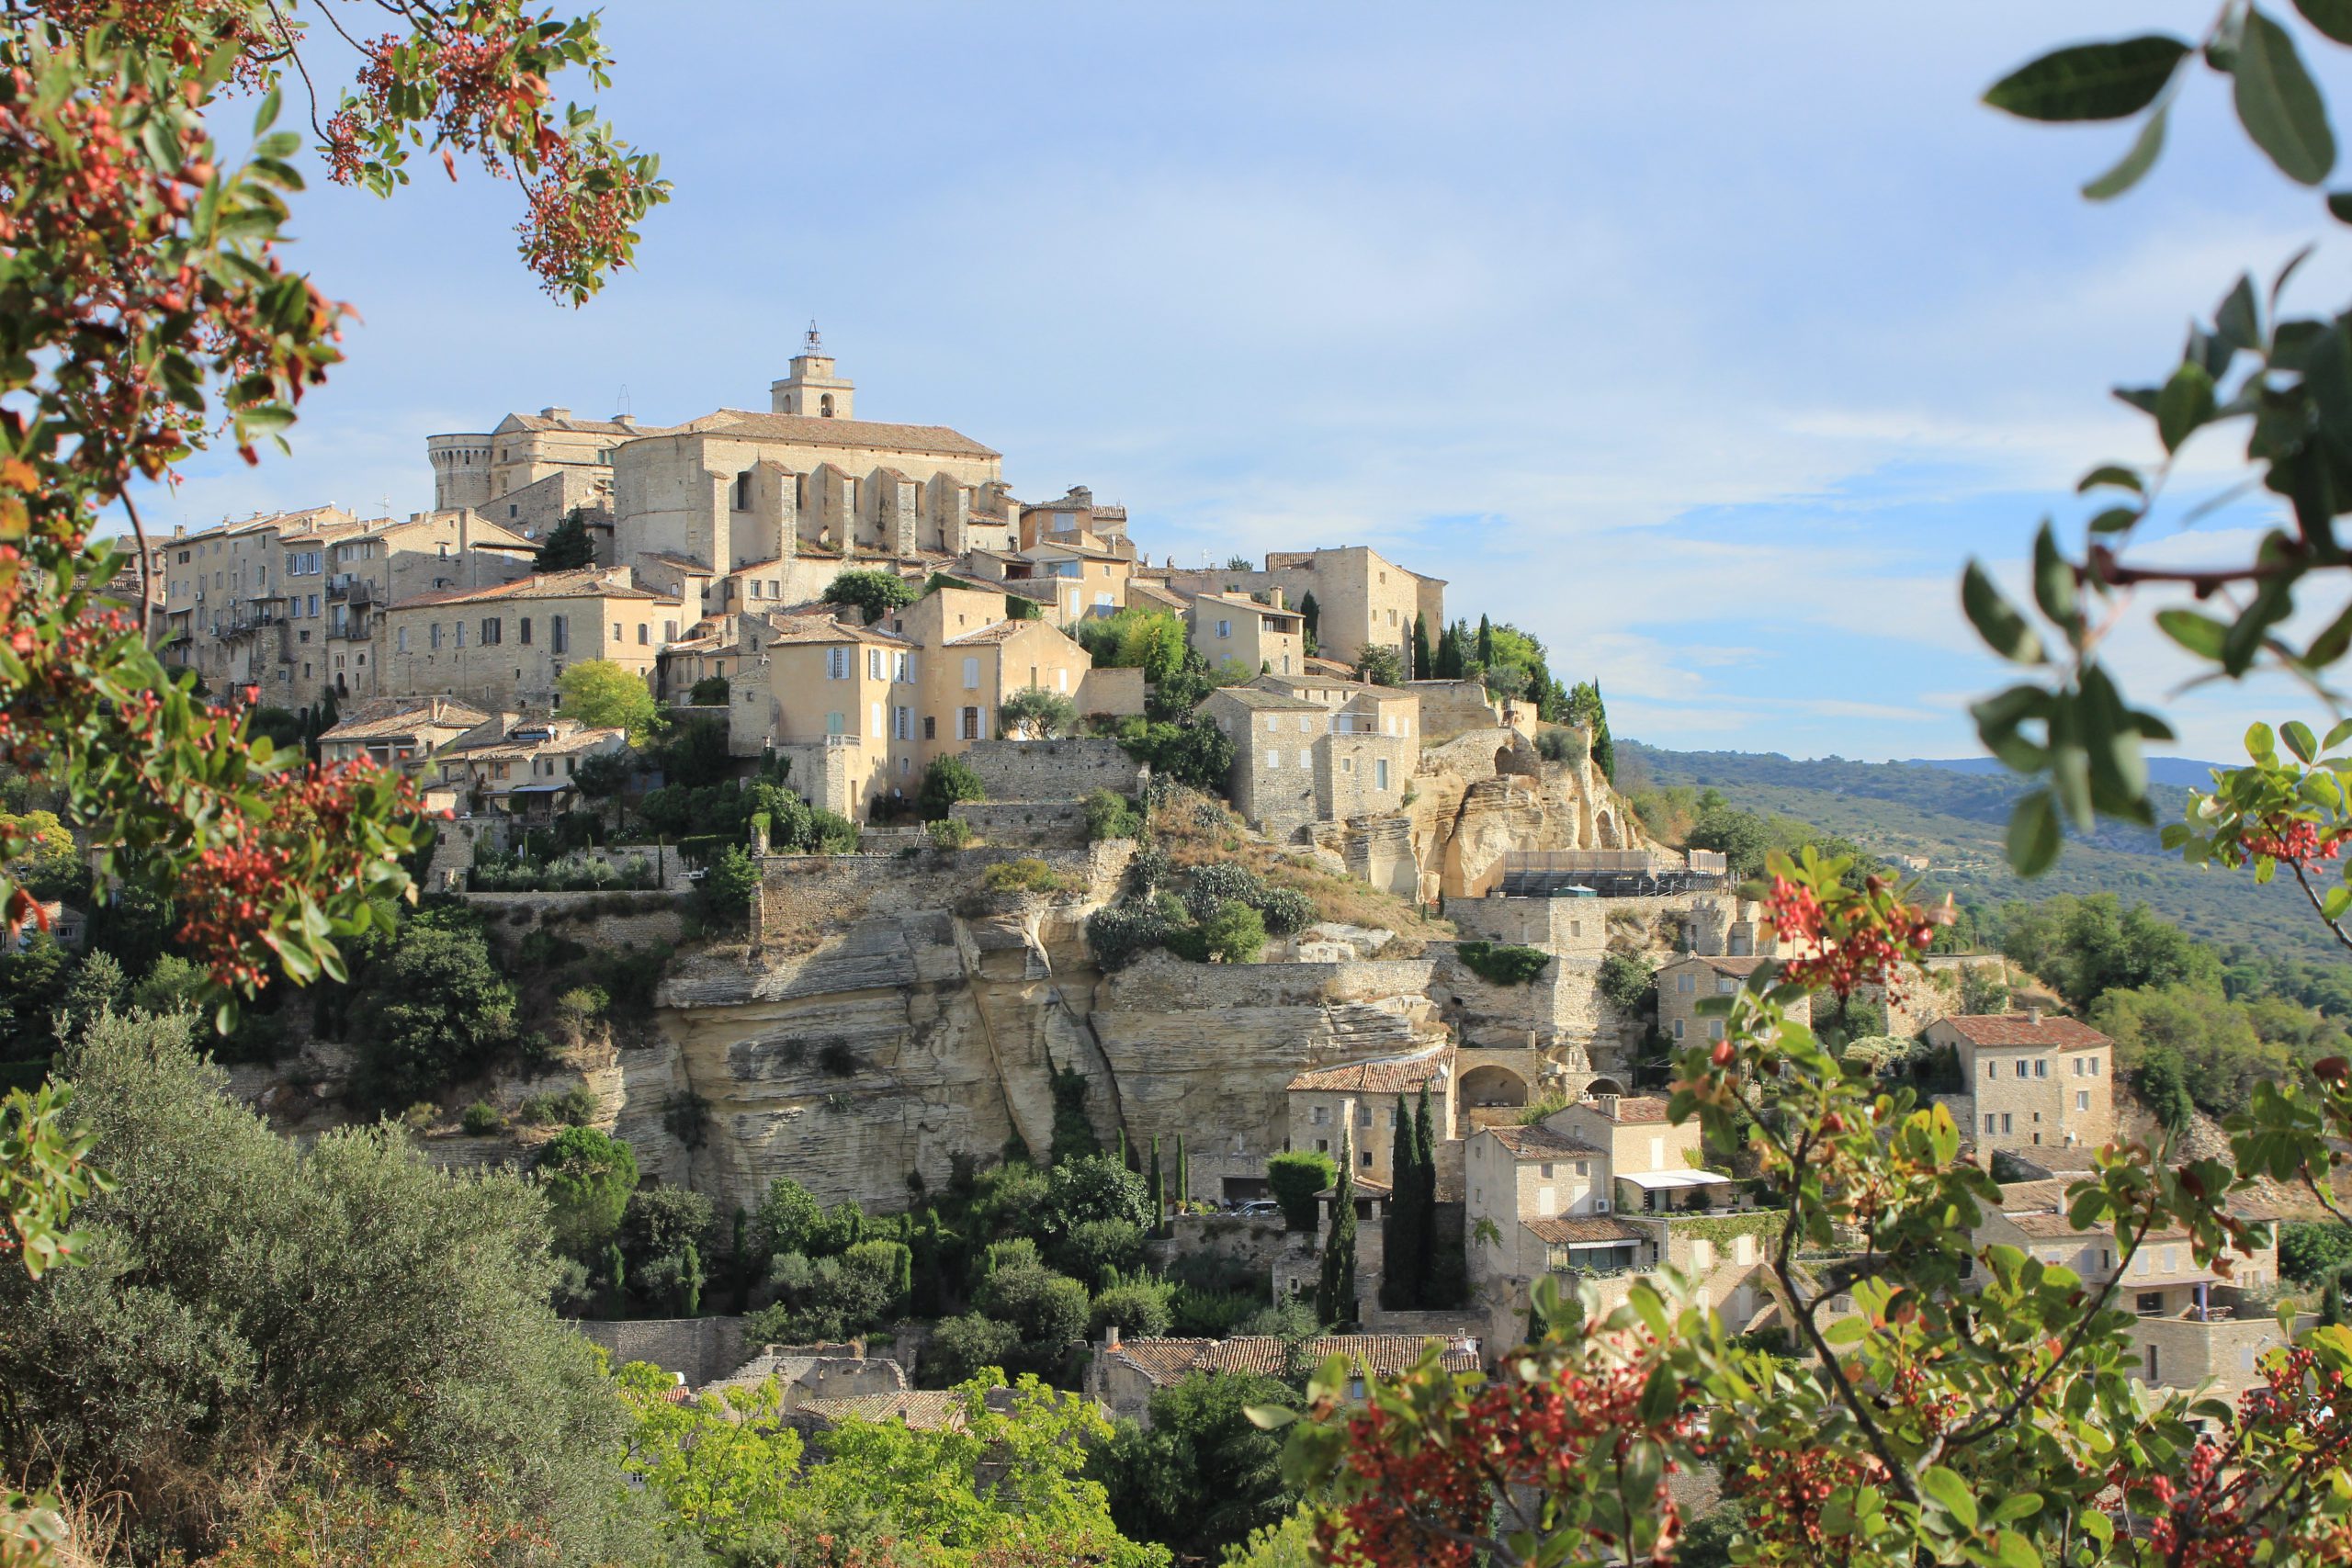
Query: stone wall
[[598, 919], [701, 1350], [1450, 707], [1054, 770], [1034, 824], [1252, 1242], [1119, 692]]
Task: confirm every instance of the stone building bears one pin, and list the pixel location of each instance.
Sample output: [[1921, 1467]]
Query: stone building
[[506, 647], [502, 769], [1687, 981], [2034, 1081], [401, 732], [1314, 751], [1361, 599], [1360, 1098], [2191, 1323], [1122, 1374], [1235, 629]]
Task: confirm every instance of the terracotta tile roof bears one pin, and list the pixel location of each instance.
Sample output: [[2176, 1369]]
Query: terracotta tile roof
[[1391, 1075], [806, 629], [1166, 1361], [682, 562], [384, 718], [2039, 1209], [1540, 1142], [996, 631], [1360, 1186], [580, 426], [1586, 1227], [808, 430], [1639, 1108], [1741, 966], [1158, 591], [926, 1410], [2024, 1029], [1274, 702], [589, 582]]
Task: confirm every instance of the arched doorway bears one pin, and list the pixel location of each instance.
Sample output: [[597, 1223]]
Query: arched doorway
[[1491, 1085]]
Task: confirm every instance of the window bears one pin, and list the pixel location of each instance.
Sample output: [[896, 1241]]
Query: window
[[644, 633], [1992, 1069], [1364, 1158], [1273, 757], [616, 631], [433, 635], [460, 630], [967, 726], [874, 714], [2005, 1121], [837, 663], [1677, 1029], [522, 630], [906, 724], [1363, 1115], [2082, 1099], [971, 674], [492, 631], [2042, 1066], [1321, 1115], [559, 639], [2022, 1066], [1225, 628], [1715, 1029], [1304, 727], [669, 631], [1726, 985], [1686, 983], [930, 727], [1380, 772], [2094, 1065], [402, 640], [743, 490]]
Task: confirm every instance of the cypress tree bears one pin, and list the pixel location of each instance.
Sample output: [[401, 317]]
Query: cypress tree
[[1421, 661], [1425, 1199], [1158, 1194], [1184, 1174], [1335, 1292], [742, 1261], [616, 1280], [1400, 1278], [1125, 1162], [1312, 614], [693, 1282], [1486, 644]]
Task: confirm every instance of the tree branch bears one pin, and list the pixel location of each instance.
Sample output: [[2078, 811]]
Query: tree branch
[[146, 572], [2304, 881]]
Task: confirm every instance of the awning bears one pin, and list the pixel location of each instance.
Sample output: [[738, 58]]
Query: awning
[[1657, 1180], [1608, 1246]]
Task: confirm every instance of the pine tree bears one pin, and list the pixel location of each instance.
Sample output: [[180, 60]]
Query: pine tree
[[567, 547], [1158, 1194], [1401, 1274], [692, 1283], [1421, 658], [1335, 1292]]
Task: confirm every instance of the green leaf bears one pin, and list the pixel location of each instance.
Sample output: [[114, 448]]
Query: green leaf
[[2330, 645], [2201, 634], [2034, 838], [2338, 899], [2114, 474], [1268, 1417], [2339, 206], [2053, 579], [2279, 104], [2299, 739], [1943, 1484], [2016, 1551], [2337, 736], [2239, 321], [2003, 629], [2089, 80], [2333, 17], [2137, 159], [2185, 402], [2258, 742], [2327, 376], [2115, 519]]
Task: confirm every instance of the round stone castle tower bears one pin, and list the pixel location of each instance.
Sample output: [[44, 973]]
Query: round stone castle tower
[[460, 471]]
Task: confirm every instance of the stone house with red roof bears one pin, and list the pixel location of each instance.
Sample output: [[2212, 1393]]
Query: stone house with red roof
[[507, 645], [1693, 978], [1360, 1098], [2030, 1080]]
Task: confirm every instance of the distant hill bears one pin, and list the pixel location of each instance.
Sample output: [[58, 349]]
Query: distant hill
[[1954, 814], [2182, 772]]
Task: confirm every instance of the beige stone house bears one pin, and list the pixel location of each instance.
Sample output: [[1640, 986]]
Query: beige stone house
[[1359, 1100], [1074, 516], [1605, 1190], [404, 732], [507, 645], [1695, 977], [1235, 629], [2033, 1080], [487, 771], [2191, 1324], [1362, 598]]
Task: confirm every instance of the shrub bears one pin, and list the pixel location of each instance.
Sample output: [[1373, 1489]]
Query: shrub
[[948, 780], [1047, 1309], [730, 885], [1295, 1177], [1117, 934], [579, 1006], [950, 835], [588, 1177], [1196, 1313], [1562, 745], [1222, 881], [1503, 966], [962, 1347], [1140, 1308], [1100, 1250], [874, 594], [663, 1222], [1149, 868], [788, 1219], [433, 1010], [712, 691], [830, 833], [1026, 874], [482, 1118], [1188, 752], [575, 1106], [1380, 666], [1036, 713], [1626, 982], [1110, 816], [1287, 911], [1234, 934], [2312, 1252]]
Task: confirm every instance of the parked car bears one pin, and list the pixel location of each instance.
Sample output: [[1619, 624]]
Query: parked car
[[1262, 1209]]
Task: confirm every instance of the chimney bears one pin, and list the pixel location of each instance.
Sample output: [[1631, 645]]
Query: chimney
[[1110, 1337], [555, 414], [2033, 1016], [628, 422]]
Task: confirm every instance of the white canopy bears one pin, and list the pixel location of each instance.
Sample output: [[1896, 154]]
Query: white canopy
[[1653, 1181]]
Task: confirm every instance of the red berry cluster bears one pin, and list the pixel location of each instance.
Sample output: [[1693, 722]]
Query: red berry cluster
[[1844, 939], [1422, 1487], [2293, 840], [1787, 1490]]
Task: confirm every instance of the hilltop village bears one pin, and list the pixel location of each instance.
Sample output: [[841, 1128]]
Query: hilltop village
[[958, 836]]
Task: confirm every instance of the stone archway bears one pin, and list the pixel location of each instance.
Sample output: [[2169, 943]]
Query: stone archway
[[1488, 1084], [1604, 830], [1604, 1086], [1503, 759]]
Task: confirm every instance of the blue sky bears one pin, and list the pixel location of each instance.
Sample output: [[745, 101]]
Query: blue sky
[[1705, 341]]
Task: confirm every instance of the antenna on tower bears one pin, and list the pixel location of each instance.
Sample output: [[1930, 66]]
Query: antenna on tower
[[626, 409], [811, 342]]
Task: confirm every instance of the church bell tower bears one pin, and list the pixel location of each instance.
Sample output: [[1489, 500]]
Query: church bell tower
[[812, 389]]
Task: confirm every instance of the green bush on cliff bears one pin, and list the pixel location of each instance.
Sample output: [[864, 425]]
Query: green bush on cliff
[[1503, 966]]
